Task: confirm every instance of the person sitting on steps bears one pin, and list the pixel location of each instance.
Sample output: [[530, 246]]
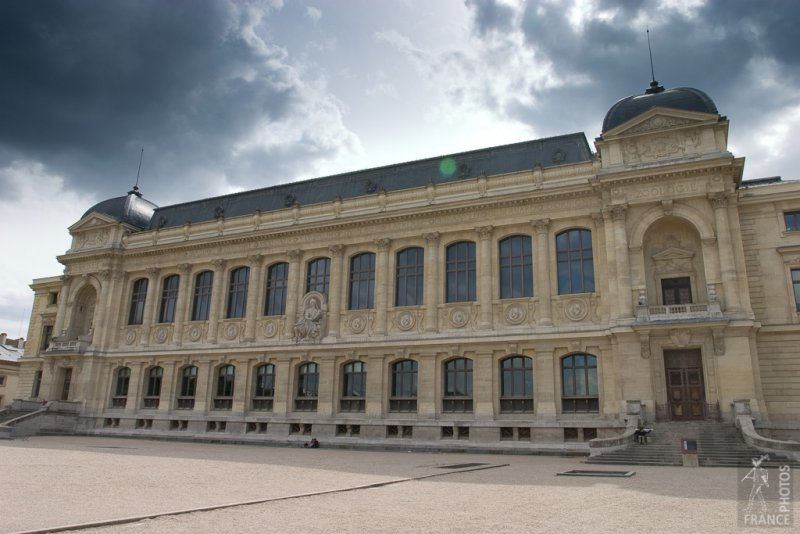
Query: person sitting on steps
[[640, 434]]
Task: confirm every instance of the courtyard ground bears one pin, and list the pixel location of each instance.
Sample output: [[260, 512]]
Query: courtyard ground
[[48, 482]]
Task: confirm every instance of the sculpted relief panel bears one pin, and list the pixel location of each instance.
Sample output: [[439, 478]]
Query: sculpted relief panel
[[661, 146]]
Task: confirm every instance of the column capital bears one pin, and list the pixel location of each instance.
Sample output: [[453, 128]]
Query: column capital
[[718, 200], [152, 271], [383, 244], [432, 237], [618, 212], [294, 254], [336, 250], [104, 275], [219, 264], [485, 232], [255, 260], [184, 268], [541, 225]]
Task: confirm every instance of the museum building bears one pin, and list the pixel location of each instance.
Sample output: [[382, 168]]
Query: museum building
[[536, 295]]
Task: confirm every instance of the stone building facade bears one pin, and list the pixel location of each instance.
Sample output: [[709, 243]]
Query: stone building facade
[[535, 294]]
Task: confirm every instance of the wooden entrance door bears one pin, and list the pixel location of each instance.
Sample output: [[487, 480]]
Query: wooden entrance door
[[686, 394]]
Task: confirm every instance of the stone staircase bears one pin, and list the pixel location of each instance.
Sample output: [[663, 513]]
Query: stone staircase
[[718, 444]]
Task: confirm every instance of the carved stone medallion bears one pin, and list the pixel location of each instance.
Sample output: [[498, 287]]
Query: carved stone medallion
[[576, 310], [130, 337], [406, 321], [161, 334], [195, 332], [231, 331], [270, 329], [516, 314], [358, 324], [459, 317]]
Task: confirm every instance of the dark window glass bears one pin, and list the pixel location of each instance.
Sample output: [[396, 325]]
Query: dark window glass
[[138, 296], [574, 262], [461, 272], [354, 386], [404, 387], [265, 380], [189, 382], [457, 385], [37, 384], [225, 377], [307, 387], [202, 295], [362, 281], [410, 277], [237, 293], [796, 286], [169, 298], [47, 336], [277, 283], [516, 267], [154, 382], [319, 275], [579, 383], [676, 291], [123, 379], [516, 384], [792, 220]]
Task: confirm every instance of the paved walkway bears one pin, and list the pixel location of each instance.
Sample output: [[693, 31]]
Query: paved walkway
[[53, 481]]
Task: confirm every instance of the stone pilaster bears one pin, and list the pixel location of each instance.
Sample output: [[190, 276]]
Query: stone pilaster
[[254, 294], [726, 260], [151, 302], [184, 297], [217, 300], [543, 288], [294, 291], [63, 297], [382, 281], [625, 296], [327, 394], [432, 285], [426, 386], [485, 277], [335, 293]]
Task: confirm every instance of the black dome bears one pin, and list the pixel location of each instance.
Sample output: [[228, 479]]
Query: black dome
[[131, 209], [686, 98]]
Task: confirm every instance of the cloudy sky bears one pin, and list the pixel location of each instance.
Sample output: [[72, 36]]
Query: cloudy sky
[[232, 95]]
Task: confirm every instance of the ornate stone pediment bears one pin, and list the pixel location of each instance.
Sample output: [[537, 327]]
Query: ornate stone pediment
[[658, 122], [673, 260]]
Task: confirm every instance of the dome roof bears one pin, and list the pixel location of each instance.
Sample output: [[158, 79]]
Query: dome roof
[[686, 98], [131, 209]]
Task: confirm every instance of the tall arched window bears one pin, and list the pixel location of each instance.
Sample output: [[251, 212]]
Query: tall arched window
[[138, 296], [516, 267], [188, 388], [457, 385], [362, 281], [169, 298], [264, 390], [404, 387], [354, 387], [277, 283], [318, 276], [121, 388], [307, 387], [237, 293], [203, 283], [409, 277], [153, 392], [225, 380], [579, 383], [574, 262], [516, 385], [460, 280]]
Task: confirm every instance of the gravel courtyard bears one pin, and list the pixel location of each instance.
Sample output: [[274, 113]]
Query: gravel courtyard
[[49, 482]]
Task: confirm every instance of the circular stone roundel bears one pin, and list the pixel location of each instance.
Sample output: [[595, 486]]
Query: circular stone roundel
[[270, 329], [576, 309], [130, 337], [195, 332], [231, 331], [161, 335], [358, 324], [406, 321], [459, 317], [516, 314]]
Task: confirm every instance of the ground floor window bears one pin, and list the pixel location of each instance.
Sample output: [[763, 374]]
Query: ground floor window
[[307, 387], [121, 388], [457, 386], [354, 387], [188, 387], [516, 385], [579, 383], [403, 396]]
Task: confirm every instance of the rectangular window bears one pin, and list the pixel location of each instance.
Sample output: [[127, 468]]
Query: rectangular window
[[796, 287], [277, 284], [676, 291], [409, 279], [47, 336], [792, 220], [362, 282], [461, 276], [2, 380], [138, 296], [37, 384], [169, 299], [516, 267], [202, 295], [237, 293]]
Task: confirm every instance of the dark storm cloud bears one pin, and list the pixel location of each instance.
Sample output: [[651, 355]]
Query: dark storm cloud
[[489, 15], [715, 49], [84, 84]]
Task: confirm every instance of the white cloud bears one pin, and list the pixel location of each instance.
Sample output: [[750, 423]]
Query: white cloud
[[313, 13], [39, 232]]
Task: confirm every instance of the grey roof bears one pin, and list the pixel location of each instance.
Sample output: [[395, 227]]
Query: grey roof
[[561, 150], [686, 98], [131, 209], [9, 353]]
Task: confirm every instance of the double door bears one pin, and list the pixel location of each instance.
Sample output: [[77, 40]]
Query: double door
[[686, 395]]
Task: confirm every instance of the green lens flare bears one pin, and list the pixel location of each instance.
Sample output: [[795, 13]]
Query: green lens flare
[[447, 167]]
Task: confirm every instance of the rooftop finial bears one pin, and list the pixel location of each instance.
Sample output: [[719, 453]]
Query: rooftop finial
[[135, 189], [654, 87]]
